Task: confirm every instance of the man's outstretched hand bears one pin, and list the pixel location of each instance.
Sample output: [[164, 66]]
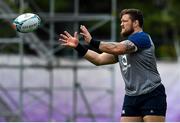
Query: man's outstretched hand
[[68, 40], [85, 33]]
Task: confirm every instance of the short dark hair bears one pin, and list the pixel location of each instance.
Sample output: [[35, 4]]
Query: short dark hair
[[135, 14]]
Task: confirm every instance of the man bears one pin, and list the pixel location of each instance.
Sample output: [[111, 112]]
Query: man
[[145, 98]]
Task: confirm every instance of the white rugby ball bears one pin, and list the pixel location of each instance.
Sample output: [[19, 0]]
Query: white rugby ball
[[27, 22]]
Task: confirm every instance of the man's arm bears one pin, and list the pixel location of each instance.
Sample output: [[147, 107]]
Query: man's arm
[[114, 48], [95, 58], [120, 48], [100, 59]]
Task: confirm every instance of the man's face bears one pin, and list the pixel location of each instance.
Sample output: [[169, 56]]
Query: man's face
[[126, 25]]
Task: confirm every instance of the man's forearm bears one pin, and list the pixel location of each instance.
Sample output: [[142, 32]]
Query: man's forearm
[[100, 59], [115, 48], [112, 48], [93, 57]]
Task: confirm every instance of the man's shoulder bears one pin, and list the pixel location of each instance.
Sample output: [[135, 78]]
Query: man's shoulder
[[141, 40], [139, 34]]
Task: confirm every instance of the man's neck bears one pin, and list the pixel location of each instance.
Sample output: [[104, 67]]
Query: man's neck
[[137, 30]]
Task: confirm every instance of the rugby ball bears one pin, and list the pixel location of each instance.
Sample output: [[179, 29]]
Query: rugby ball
[[26, 22]]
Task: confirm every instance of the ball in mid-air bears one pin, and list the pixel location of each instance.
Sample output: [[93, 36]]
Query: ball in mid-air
[[27, 22]]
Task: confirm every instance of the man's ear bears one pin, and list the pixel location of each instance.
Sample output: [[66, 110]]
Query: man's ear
[[137, 22]]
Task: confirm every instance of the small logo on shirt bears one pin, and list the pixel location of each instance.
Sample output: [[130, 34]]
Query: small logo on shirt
[[124, 60], [125, 63]]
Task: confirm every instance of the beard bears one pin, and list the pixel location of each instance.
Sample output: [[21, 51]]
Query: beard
[[127, 33]]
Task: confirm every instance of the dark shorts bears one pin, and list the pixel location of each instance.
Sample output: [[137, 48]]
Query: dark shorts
[[153, 103]]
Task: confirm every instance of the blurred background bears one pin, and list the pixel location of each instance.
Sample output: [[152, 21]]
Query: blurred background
[[43, 81]]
